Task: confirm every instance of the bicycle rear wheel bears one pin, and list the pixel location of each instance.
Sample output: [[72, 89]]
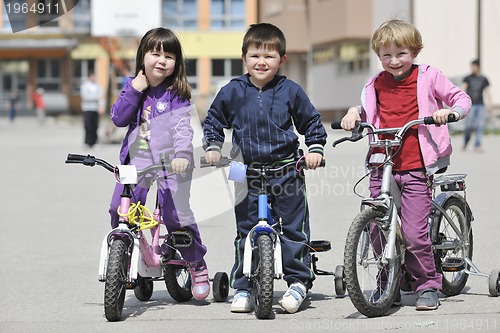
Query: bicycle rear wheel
[[263, 276], [116, 277], [452, 242], [372, 284]]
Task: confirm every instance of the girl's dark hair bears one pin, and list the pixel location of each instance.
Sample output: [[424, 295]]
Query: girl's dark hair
[[162, 38], [266, 35]]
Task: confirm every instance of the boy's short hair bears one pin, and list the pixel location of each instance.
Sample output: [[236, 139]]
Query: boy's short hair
[[475, 62], [402, 33], [264, 34]]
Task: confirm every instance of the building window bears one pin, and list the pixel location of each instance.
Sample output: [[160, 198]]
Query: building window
[[16, 20], [180, 14], [81, 70], [192, 73], [227, 14], [354, 57], [226, 69], [81, 16], [48, 74], [51, 11]]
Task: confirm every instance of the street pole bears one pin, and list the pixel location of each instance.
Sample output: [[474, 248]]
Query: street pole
[[478, 37]]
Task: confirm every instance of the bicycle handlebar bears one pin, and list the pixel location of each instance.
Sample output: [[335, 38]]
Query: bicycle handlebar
[[357, 131], [225, 161], [91, 161]]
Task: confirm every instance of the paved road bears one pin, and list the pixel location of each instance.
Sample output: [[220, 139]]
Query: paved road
[[55, 215]]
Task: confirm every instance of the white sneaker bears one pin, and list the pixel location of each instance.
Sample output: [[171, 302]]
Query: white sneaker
[[293, 297], [242, 301]]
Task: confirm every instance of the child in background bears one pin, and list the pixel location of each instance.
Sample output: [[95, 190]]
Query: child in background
[[404, 91], [155, 105]]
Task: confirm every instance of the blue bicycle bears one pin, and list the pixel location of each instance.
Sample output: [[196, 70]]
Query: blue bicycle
[[262, 260]]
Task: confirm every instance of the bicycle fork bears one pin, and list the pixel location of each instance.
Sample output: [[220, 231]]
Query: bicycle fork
[[262, 226]]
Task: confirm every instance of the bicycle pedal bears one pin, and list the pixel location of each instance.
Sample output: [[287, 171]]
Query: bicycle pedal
[[453, 265], [320, 245], [181, 238], [130, 285]]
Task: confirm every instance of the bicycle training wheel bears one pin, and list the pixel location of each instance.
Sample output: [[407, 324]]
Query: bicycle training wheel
[[178, 281], [372, 284], [144, 288], [263, 276], [116, 277], [452, 242]]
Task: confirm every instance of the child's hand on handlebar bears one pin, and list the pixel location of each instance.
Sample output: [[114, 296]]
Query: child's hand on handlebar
[[212, 157], [313, 160], [179, 165], [349, 120], [441, 116]]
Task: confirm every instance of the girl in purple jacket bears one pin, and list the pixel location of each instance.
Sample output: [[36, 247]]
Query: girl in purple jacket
[[403, 92], [156, 108]]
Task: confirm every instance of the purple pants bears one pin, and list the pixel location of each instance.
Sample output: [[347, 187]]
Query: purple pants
[[176, 211], [416, 202]]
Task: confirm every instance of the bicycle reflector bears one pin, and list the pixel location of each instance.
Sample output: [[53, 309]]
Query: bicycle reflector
[[458, 185]]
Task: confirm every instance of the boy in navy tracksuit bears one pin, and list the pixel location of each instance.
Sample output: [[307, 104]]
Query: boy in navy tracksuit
[[263, 109]]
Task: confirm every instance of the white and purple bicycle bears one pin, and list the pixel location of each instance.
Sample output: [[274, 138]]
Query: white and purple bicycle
[[131, 258]]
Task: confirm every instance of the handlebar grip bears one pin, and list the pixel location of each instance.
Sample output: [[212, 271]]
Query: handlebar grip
[[336, 125], [452, 118], [430, 121], [302, 164], [75, 158], [224, 161]]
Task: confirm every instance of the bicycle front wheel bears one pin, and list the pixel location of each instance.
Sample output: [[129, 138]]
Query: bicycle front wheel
[[116, 277], [452, 241], [372, 280], [263, 276]]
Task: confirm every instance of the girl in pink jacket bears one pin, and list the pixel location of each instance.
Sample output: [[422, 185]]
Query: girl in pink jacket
[[404, 91]]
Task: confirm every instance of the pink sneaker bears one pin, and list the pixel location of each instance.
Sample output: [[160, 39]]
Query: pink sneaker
[[200, 286]]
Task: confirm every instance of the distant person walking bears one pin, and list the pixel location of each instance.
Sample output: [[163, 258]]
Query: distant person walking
[[92, 106], [476, 86], [11, 106], [39, 104]]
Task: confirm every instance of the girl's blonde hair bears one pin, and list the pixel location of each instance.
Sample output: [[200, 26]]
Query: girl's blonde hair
[[162, 38], [402, 33]]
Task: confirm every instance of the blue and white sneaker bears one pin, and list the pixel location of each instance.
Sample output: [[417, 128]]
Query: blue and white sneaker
[[242, 301], [293, 297]]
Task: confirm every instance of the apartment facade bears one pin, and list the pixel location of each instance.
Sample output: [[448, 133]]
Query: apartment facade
[[59, 54], [332, 37]]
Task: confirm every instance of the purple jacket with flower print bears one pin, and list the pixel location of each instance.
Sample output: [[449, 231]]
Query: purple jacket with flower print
[[170, 128]]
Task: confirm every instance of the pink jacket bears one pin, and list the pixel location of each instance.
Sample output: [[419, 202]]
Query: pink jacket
[[434, 90]]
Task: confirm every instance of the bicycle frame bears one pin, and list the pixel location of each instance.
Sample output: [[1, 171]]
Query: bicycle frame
[[145, 258]]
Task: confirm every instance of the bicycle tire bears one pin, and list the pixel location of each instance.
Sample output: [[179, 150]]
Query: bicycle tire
[[144, 288], [363, 275], [116, 277], [178, 281], [263, 276], [452, 282], [220, 287]]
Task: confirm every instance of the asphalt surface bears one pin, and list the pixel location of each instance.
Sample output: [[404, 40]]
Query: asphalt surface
[[54, 216]]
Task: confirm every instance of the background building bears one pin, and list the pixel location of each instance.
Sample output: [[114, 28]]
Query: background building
[[59, 54], [328, 44]]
